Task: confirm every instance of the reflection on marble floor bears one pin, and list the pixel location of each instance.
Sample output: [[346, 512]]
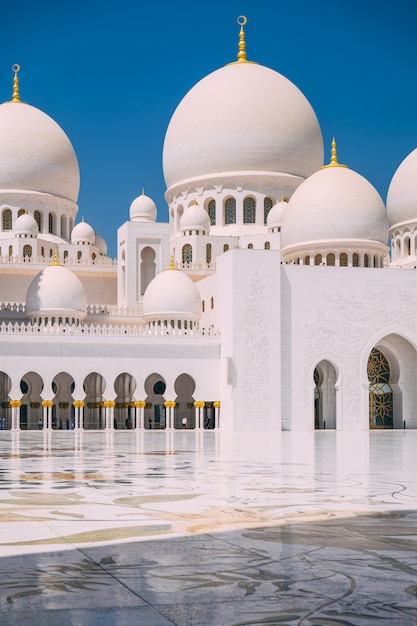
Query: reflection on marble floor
[[208, 529]]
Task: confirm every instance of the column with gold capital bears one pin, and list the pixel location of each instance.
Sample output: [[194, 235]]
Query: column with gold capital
[[47, 414], [170, 405], [199, 405], [109, 408], [140, 414], [79, 414], [216, 414], [15, 406]]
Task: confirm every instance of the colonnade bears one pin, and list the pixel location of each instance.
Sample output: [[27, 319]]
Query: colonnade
[[138, 422]]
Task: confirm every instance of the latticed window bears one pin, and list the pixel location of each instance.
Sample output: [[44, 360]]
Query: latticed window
[[249, 210], [27, 250], [366, 260], [50, 223], [212, 212], [380, 391], [208, 253], [7, 219], [355, 259], [267, 208], [331, 259], [230, 211], [343, 259], [307, 260], [318, 259], [407, 245], [225, 247], [187, 253], [21, 212], [267, 245], [38, 220]]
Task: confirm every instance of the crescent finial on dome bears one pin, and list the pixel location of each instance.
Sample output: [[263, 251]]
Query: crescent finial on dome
[[333, 159], [241, 56], [16, 95]]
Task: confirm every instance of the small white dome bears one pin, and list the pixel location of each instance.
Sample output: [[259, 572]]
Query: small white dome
[[171, 295], [36, 154], [335, 204], [58, 292], [276, 214], [83, 233], [195, 218], [100, 243], [143, 209], [26, 226], [402, 192]]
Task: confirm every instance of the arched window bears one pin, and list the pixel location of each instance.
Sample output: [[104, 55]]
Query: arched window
[[79, 255], [212, 212], [366, 260], [250, 246], [27, 251], [318, 259], [42, 251], [307, 260], [21, 212], [7, 219], [267, 207], [208, 253], [230, 211], [249, 210], [225, 247], [212, 302], [343, 259], [10, 250], [407, 246], [267, 245], [187, 253], [51, 223], [203, 306], [355, 259], [38, 220], [65, 254], [331, 259], [63, 226], [375, 261], [147, 268]]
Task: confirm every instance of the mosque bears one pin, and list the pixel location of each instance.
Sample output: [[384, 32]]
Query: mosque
[[280, 295]]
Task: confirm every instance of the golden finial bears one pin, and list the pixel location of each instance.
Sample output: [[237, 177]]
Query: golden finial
[[333, 159], [241, 55], [194, 202], [56, 257], [16, 96], [82, 219], [171, 262], [143, 191]]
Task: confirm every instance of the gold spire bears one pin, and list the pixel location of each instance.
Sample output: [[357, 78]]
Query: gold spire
[[171, 262], [333, 159], [143, 191], [56, 257], [194, 202], [241, 55], [16, 96]]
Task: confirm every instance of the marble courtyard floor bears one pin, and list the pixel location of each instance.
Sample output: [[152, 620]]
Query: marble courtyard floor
[[208, 529]]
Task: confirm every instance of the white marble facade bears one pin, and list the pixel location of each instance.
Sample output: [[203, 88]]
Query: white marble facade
[[268, 302]]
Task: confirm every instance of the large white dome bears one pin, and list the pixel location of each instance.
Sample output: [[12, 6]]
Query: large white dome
[[171, 295], [56, 291], [335, 205], [242, 118], [36, 154], [402, 192]]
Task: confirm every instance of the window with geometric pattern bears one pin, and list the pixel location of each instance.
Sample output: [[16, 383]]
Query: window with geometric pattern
[[267, 208], [7, 219], [187, 253], [212, 212], [230, 211], [380, 391], [249, 210]]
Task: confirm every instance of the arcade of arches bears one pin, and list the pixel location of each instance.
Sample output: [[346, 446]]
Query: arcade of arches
[[65, 411], [392, 380]]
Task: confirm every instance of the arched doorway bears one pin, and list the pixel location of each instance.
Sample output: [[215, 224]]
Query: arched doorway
[[94, 387], [325, 377], [381, 405], [31, 416], [6, 414], [155, 387], [124, 386], [184, 388], [62, 411]]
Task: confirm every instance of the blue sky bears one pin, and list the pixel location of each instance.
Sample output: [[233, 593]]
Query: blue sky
[[112, 73]]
